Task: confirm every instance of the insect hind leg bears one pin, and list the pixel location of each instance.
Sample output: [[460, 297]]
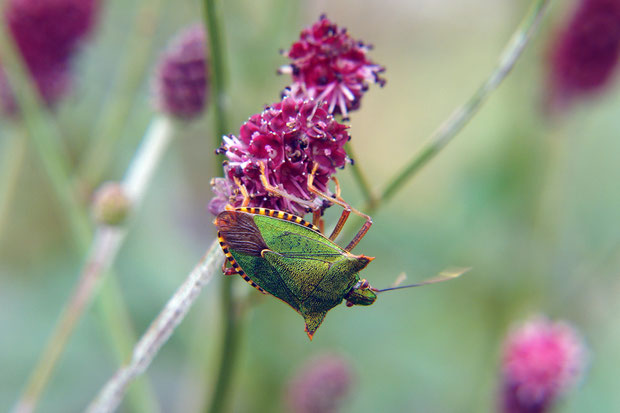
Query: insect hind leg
[[345, 214]]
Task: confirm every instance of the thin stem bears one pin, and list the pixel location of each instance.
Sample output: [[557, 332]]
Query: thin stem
[[104, 248], [42, 130], [12, 163], [134, 65], [47, 140], [459, 118], [159, 331], [230, 324], [360, 177], [217, 70]]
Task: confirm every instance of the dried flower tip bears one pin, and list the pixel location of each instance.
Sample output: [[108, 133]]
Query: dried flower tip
[[181, 80], [111, 205], [329, 65], [541, 361], [585, 52], [288, 137], [320, 386]]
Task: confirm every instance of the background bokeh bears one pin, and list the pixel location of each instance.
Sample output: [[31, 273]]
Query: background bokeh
[[530, 202]]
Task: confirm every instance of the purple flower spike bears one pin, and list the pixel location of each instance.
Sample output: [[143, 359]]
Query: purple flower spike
[[181, 83], [585, 53], [320, 386], [288, 137], [329, 65], [541, 361]]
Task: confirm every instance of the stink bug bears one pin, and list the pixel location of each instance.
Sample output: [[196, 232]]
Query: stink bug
[[285, 256]]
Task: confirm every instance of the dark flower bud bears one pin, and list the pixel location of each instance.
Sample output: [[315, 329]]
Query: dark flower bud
[[181, 79]]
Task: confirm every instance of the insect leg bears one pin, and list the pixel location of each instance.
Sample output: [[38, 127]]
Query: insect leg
[[345, 214], [318, 221], [278, 192], [244, 192], [228, 270]]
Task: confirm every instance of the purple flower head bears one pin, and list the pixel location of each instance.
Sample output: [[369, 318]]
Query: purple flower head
[[288, 137], [585, 52], [541, 361], [181, 81], [47, 34], [320, 386], [329, 65]]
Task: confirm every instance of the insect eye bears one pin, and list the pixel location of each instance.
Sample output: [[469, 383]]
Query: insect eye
[[365, 284]]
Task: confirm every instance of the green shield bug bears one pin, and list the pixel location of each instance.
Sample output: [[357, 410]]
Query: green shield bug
[[285, 256]]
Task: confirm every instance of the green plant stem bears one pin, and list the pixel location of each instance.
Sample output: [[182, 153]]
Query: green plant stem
[[134, 65], [46, 140], [459, 118], [102, 253], [230, 324], [159, 331], [360, 177], [12, 164], [217, 71]]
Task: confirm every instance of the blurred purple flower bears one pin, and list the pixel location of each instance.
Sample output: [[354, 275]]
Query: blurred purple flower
[[541, 361], [320, 386], [329, 65], [47, 34], [181, 81], [585, 52], [288, 137]]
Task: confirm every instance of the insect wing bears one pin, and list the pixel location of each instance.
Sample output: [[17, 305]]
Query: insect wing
[[301, 256]]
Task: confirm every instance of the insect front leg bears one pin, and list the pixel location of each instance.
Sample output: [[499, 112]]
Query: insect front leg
[[281, 193]]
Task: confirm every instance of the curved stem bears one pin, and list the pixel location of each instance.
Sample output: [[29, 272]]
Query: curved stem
[[360, 177], [103, 250], [109, 126], [159, 331], [459, 118]]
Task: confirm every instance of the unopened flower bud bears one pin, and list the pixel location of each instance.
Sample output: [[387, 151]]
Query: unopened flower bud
[[111, 205]]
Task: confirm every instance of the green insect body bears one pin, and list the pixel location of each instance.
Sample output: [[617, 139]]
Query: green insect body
[[287, 257]]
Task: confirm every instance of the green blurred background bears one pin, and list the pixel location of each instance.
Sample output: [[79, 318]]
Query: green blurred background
[[532, 204]]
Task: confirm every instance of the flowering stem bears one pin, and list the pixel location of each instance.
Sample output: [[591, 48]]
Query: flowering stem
[[104, 247], [459, 118], [159, 331], [46, 139], [217, 72], [134, 63], [230, 325]]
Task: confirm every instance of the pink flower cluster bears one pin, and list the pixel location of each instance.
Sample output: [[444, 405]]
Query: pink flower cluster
[[329, 65], [541, 361], [288, 137], [47, 33], [330, 72]]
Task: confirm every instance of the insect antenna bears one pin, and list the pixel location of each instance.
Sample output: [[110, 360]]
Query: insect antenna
[[443, 276]]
